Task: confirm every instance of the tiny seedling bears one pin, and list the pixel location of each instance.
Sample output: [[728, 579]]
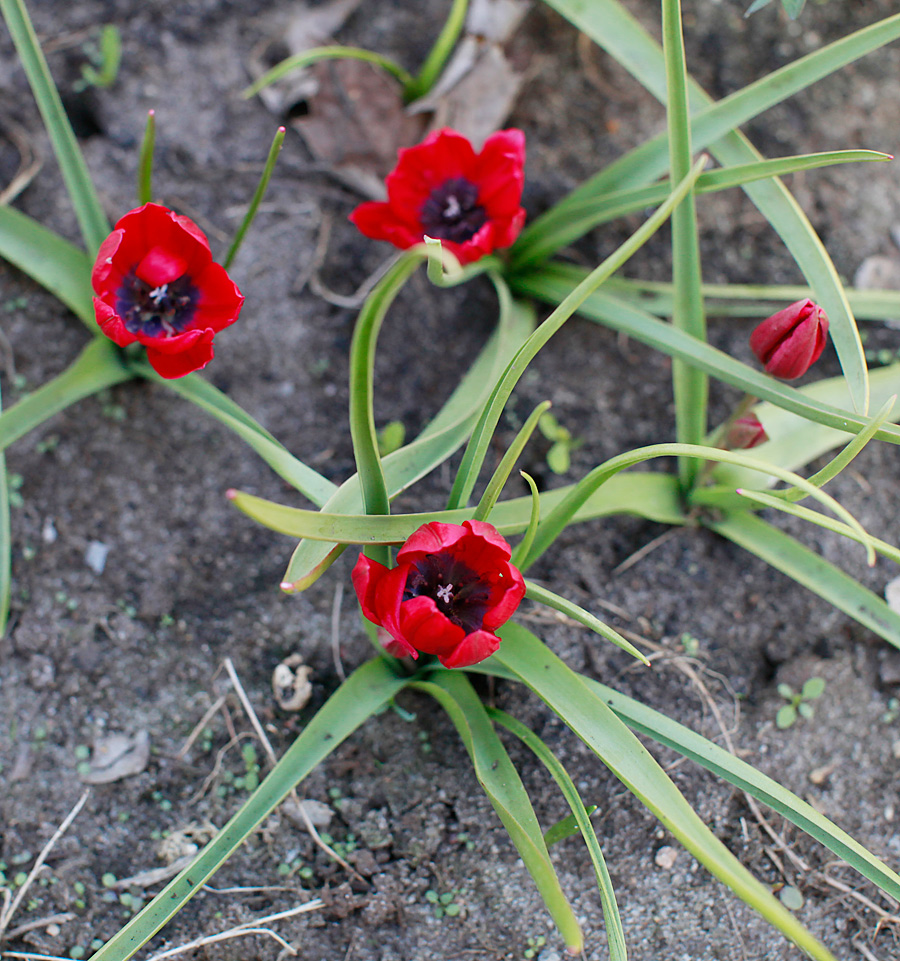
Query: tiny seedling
[[534, 947], [798, 702], [105, 56], [444, 905], [559, 457], [391, 437]]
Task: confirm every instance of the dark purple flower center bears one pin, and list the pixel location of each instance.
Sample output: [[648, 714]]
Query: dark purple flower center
[[161, 311], [451, 211], [458, 592]]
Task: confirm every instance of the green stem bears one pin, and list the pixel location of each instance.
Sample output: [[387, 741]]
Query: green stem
[[334, 52], [260, 192], [145, 164], [690, 384], [437, 57]]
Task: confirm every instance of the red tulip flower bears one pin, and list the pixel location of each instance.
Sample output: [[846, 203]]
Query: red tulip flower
[[156, 284], [453, 586], [746, 432], [443, 189], [790, 342]]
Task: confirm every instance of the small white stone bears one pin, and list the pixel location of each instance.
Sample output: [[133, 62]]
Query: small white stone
[[665, 857], [95, 556], [48, 531], [892, 594]]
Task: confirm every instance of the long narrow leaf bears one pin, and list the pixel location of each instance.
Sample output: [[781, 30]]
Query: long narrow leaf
[[504, 468], [308, 57], [811, 517], [97, 367], [50, 260], [794, 442], [751, 300], [551, 283], [88, 210], [615, 936], [613, 28], [690, 385], [586, 215], [367, 689], [477, 447], [662, 729], [503, 786], [620, 750], [813, 572], [449, 429], [562, 514], [649, 495], [534, 592], [362, 378]]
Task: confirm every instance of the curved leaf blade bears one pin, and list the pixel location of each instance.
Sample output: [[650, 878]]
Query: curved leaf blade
[[50, 260], [501, 782], [620, 750], [97, 367]]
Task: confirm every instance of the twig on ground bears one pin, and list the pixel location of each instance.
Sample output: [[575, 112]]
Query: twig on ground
[[10, 909], [40, 923], [261, 734], [217, 765], [201, 724], [648, 548], [248, 927], [317, 285]]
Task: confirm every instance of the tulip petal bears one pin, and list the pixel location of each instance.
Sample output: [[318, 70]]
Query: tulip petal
[[365, 576], [171, 365], [474, 647]]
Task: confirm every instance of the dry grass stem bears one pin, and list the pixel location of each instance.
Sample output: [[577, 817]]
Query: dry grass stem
[[10, 909], [248, 927]]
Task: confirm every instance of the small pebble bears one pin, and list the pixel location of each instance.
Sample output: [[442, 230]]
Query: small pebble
[[665, 857], [95, 556]]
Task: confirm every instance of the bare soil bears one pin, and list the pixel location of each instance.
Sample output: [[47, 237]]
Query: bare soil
[[188, 581]]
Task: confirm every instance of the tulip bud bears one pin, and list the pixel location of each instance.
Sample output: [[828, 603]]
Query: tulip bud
[[790, 342], [746, 432]]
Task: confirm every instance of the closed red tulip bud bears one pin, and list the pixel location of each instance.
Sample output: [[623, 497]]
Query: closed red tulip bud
[[746, 432], [790, 342], [453, 586]]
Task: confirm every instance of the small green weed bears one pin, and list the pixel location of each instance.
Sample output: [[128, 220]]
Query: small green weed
[[105, 55], [559, 457], [443, 905], [798, 702]]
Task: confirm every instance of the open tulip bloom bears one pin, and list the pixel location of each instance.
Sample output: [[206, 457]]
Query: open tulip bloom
[[442, 189], [455, 587], [156, 284]]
